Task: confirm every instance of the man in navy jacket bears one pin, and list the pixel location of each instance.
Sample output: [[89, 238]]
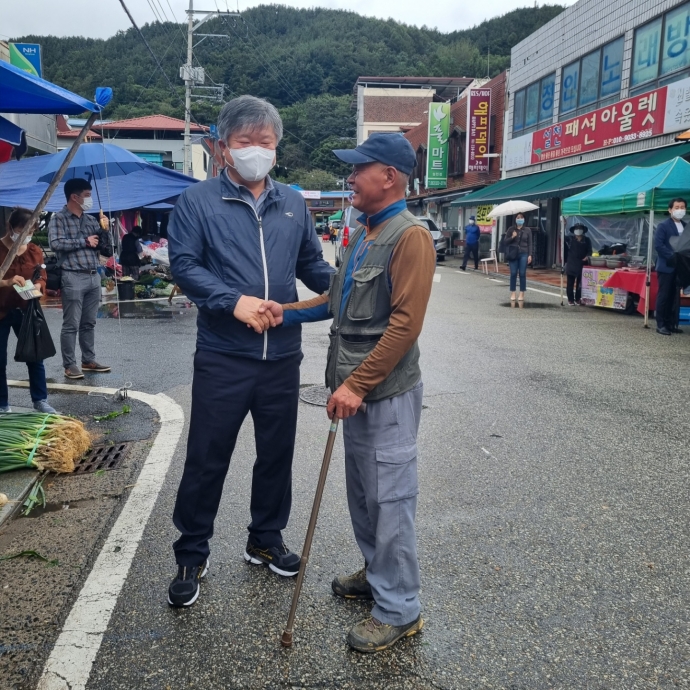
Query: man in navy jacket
[[668, 295], [471, 243], [236, 241]]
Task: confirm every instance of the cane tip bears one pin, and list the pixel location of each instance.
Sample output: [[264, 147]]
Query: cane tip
[[286, 639]]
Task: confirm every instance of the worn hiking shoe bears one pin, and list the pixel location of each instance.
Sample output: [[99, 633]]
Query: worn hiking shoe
[[44, 407], [73, 372], [371, 635], [95, 367], [184, 589], [278, 558], [353, 586]]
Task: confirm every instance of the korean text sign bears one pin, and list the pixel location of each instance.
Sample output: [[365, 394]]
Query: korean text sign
[[633, 119], [478, 120], [437, 148]]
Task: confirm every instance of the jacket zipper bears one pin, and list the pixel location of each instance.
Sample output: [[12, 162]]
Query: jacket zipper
[[263, 259]]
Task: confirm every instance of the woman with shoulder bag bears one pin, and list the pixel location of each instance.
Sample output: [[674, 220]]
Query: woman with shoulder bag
[[12, 307], [518, 250]]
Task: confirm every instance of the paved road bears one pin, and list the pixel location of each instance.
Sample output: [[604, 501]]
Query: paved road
[[552, 520]]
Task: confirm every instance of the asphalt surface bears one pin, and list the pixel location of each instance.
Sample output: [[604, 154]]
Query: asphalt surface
[[552, 519]]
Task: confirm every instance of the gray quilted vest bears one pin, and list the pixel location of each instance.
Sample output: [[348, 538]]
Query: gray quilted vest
[[357, 328]]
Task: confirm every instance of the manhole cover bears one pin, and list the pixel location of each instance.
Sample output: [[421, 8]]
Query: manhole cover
[[315, 395], [102, 458]]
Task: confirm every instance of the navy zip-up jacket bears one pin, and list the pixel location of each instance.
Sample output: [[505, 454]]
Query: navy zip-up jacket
[[221, 249], [662, 244]]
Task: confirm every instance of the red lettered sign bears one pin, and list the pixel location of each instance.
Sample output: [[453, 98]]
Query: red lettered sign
[[478, 120], [633, 119]]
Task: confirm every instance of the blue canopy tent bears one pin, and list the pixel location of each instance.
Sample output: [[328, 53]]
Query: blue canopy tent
[[21, 92]]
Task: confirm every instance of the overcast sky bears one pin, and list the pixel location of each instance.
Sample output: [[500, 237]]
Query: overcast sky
[[103, 18]]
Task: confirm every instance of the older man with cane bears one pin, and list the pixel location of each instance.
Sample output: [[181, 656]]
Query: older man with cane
[[235, 241], [378, 300]]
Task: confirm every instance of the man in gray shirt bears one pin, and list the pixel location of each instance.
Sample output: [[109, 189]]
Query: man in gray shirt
[[73, 236]]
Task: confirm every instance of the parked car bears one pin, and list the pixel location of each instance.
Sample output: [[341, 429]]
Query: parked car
[[440, 242], [346, 226]]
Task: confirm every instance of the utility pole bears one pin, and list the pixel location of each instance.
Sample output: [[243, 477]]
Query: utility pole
[[193, 76]]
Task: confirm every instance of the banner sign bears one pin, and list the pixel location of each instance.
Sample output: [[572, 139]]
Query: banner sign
[[651, 114], [482, 219], [308, 194], [478, 118], [26, 56], [437, 146], [595, 294]]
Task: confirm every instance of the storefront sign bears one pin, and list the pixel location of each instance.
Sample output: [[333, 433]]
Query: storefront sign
[[478, 118], [310, 194], [651, 114], [437, 146], [595, 294], [26, 56]]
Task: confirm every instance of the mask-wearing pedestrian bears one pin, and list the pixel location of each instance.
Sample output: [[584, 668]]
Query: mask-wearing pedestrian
[[520, 222], [678, 213], [86, 203], [15, 236], [579, 232], [471, 222], [252, 163]]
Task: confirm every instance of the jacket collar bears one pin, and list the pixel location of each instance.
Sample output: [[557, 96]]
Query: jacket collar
[[384, 214], [231, 190]]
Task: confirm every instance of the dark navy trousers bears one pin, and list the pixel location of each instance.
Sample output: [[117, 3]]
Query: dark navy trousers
[[225, 389]]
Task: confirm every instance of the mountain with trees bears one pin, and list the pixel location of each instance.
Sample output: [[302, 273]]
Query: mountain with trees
[[305, 61]]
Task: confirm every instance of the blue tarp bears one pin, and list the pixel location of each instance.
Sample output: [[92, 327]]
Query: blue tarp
[[21, 92], [152, 184], [10, 132]]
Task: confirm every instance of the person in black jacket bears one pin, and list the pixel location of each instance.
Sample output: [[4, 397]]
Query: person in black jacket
[[131, 250], [668, 296], [517, 243], [578, 250]]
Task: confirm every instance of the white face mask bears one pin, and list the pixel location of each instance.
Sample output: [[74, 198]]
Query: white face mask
[[252, 163], [471, 222], [87, 204], [579, 232], [15, 237], [678, 213]]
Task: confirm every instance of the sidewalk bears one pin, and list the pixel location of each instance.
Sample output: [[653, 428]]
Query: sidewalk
[[540, 276]]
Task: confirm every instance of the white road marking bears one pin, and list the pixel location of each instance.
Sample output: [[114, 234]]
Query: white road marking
[[496, 280], [69, 665], [437, 277], [462, 273], [544, 292]]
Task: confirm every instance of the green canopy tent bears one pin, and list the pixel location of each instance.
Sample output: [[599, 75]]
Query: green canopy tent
[[634, 190], [338, 215]]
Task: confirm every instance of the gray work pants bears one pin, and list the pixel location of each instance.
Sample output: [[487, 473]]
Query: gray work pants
[[381, 477], [81, 296]]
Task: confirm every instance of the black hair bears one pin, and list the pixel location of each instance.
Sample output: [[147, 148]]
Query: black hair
[[137, 230], [679, 200], [76, 185], [19, 218]]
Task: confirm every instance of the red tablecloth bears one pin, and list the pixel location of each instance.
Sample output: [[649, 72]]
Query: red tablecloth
[[634, 281]]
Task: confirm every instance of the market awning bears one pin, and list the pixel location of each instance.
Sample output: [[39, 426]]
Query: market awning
[[21, 92], [564, 182], [633, 190], [336, 216]]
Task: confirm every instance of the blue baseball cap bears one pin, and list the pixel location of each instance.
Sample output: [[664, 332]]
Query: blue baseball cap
[[390, 149]]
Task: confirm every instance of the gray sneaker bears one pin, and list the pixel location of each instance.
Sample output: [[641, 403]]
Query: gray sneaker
[[5, 410], [43, 406], [372, 635], [353, 586], [73, 372]]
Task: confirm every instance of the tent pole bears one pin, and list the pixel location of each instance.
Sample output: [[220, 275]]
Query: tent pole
[[28, 228], [562, 254], [648, 282]]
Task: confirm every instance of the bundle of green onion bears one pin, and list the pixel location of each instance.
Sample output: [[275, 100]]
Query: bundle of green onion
[[41, 441]]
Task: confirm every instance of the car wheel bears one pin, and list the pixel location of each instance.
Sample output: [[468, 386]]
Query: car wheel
[[337, 262]]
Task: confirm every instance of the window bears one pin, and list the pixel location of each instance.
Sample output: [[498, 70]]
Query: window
[[661, 53], [533, 105], [592, 81], [456, 152]]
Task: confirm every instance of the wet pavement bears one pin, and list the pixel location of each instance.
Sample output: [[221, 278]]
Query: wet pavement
[[552, 517]]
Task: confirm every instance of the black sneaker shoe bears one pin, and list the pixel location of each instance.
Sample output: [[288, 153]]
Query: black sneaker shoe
[[184, 589], [278, 558], [353, 586]]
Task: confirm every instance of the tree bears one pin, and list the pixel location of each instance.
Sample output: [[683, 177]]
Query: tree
[[311, 179]]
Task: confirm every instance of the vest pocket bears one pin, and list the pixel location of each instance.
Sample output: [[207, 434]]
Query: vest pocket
[[362, 300], [396, 473]]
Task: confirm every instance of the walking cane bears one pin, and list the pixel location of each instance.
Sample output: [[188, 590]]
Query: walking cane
[[286, 639]]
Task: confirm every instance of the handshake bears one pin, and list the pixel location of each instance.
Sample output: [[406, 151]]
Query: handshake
[[258, 314]]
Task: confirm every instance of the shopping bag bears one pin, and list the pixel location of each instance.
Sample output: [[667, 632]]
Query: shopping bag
[[34, 343]]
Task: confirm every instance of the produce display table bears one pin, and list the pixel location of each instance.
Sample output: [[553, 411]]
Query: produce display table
[[597, 292], [632, 280]]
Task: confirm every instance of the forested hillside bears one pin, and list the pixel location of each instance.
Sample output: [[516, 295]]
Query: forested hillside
[[304, 61]]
